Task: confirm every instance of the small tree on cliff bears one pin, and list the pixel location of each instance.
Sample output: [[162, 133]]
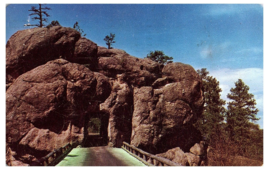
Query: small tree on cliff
[[159, 57], [241, 110], [213, 115], [41, 15], [52, 24], [109, 40], [77, 27]]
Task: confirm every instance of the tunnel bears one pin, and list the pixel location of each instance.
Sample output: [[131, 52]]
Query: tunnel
[[95, 129]]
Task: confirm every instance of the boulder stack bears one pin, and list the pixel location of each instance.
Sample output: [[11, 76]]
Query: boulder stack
[[56, 80]]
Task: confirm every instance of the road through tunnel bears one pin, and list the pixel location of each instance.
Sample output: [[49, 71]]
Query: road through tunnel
[[95, 129]]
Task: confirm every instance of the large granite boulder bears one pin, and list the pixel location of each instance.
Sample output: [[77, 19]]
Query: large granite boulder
[[176, 155], [51, 102], [196, 157], [85, 52], [163, 117], [138, 72], [27, 49]]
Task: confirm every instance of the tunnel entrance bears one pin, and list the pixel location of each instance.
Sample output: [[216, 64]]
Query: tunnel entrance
[[95, 130]]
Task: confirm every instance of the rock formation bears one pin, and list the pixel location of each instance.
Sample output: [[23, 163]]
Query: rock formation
[[138, 72], [57, 80], [163, 113], [50, 103], [196, 157], [119, 105], [30, 48]]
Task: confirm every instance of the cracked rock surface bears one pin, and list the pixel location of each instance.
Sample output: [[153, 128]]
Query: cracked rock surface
[[164, 113], [50, 98]]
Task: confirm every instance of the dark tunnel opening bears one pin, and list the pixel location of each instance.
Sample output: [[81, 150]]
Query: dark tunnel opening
[[95, 130]]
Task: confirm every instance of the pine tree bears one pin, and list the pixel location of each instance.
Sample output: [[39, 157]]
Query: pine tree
[[213, 115], [241, 111], [52, 24], [159, 57], [40, 12], [109, 40], [77, 27]]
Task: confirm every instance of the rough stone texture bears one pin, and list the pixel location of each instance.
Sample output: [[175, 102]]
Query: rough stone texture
[[104, 52], [30, 48], [41, 104], [103, 87], [85, 52], [139, 72], [197, 157], [162, 117], [176, 155], [189, 87], [85, 48], [118, 106], [198, 149], [142, 102], [193, 160]]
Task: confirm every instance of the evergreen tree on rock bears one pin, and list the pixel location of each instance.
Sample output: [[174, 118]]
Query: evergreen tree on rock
[[109, 40], [159, 57], [41, 15]]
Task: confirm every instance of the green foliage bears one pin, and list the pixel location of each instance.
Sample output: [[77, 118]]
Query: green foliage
[[109, 40], [41, 15], [241, 110], [94, 125], [230, 132], [77, 28], [52, 24], [159, 57], [213, 115]]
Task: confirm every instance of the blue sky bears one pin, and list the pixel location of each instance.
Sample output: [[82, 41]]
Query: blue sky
[[226, 39]]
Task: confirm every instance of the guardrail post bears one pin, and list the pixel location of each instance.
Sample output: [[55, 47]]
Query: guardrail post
[[155, 162], [144, 157], [149, 160]]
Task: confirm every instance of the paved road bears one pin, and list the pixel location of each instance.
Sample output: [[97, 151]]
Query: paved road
[[99, 156]]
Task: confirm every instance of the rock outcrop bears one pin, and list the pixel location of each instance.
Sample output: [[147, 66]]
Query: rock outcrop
[[164, 113], [42, 103], [196, 157], [30, 48], [138, 72], [119, 105], [57, 80]]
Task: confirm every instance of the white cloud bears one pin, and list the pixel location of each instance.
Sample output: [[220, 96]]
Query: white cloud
[[214, 50], [228, 9], [253, 50], [253, 77], [206, 52]]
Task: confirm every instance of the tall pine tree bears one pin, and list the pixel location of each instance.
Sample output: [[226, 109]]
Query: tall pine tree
[[40, 15], [241, 111], [213, 115]]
